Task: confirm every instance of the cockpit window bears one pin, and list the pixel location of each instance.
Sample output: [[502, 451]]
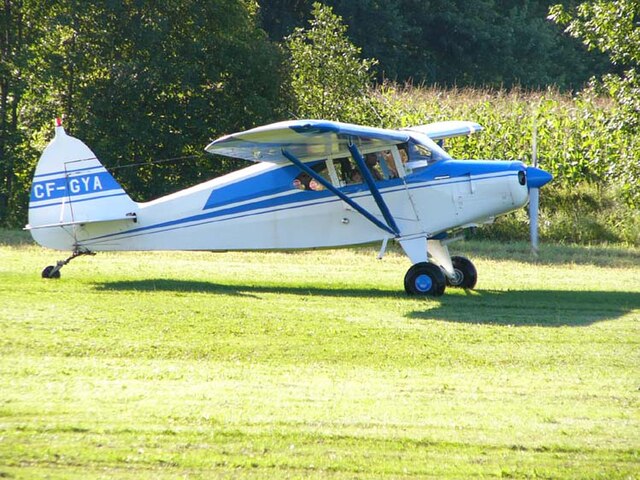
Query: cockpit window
[[420, 152], [305, 182], [424, 151]]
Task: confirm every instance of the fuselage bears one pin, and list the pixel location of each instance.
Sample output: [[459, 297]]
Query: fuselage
[[258, 208], [308, 189]]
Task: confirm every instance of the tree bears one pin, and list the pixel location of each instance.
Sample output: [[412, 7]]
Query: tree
[[612, 27], [14, 40], [383, 30], [328, 77], [137, 80], [495, 43], [280, 17]]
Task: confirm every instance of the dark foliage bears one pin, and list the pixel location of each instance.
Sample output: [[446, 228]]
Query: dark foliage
[[496, 43]]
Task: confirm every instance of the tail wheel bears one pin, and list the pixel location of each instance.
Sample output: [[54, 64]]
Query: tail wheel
[[424, 279], [466, 275], [46, 273]]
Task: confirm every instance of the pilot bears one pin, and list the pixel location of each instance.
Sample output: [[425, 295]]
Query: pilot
[[346, 170]]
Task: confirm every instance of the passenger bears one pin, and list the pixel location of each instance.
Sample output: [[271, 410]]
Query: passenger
[[403, 154], [315, 185], [302, 181], [391, 165], [371, 160]]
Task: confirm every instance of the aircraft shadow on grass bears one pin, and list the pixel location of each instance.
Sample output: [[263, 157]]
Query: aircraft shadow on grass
[[545, 308]]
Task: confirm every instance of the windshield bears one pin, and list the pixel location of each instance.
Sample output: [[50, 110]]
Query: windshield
[[424, 151]]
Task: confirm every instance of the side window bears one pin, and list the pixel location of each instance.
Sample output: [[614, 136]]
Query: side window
[[305, 182], [372, 161], [381, 165], [385, 165], [398, 158], [347, 171], [402, 150], [389, 168]]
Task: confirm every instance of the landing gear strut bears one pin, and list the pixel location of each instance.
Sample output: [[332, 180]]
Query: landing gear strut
[[440, 270], [53, 271]]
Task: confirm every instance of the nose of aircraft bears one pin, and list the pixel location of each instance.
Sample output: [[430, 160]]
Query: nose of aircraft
[[537, 177]]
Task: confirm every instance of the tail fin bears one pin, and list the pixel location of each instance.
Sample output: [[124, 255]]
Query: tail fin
[[71, 188]]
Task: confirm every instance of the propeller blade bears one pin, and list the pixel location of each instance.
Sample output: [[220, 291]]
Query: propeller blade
[[534, 201], [534, 144], [535, 180]]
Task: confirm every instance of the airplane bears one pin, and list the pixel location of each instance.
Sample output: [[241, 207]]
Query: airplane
[[312, 184]]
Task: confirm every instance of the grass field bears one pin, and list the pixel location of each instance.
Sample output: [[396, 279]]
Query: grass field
[[316, 365]]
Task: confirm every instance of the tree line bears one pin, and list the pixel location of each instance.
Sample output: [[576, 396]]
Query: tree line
[[488, 43]]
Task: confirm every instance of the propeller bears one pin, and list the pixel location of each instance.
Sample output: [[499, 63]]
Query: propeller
[[534, 195], [536, 178]]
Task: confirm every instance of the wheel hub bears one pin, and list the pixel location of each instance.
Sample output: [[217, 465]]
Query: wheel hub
[[458, 277], [424, 283]]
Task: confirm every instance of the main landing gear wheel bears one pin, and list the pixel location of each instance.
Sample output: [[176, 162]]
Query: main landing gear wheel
[[425, 279], [466, 274], [46, 273]]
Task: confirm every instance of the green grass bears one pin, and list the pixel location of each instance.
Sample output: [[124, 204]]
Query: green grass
[[316, 365]]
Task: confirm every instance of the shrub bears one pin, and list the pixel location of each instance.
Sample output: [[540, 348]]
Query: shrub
[[595, 192]]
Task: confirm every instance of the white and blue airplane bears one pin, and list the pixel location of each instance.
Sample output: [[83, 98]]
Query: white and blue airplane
[[313, 184]]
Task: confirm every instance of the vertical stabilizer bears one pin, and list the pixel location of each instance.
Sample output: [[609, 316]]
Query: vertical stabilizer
[[70, 188]]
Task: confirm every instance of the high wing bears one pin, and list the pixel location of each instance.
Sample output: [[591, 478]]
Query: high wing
[[448, 129], [298, 141], [306, 139]]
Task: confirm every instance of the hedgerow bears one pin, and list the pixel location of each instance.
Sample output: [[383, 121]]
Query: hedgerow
[[595, 193]]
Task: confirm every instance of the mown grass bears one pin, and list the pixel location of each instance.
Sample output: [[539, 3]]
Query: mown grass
[[316, 365]]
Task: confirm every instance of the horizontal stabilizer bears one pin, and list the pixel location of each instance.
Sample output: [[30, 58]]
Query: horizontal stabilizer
[[130, 217]]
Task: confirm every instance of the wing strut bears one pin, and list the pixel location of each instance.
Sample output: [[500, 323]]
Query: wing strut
[[313, 174], [366, 174]]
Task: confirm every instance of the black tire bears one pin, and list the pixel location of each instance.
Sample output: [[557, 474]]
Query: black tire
[[466, 274], [425, 279], [46, 273]]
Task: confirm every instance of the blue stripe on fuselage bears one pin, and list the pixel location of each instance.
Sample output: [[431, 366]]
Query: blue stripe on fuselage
[[462, 169], [271, 182]]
